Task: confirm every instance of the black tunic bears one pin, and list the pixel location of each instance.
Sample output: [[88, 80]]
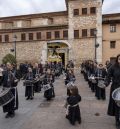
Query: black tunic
[[8, 82], [49, 94], [114, 74], [37, 84], [74, 111], [29, 91]]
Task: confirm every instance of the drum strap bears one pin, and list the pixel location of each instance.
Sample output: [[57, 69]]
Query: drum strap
[[67, 110]]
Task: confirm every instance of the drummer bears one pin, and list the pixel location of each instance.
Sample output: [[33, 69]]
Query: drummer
[[114, 74], [36, 74], [48, 79], [10, 81], [100, 74], [29, 91]]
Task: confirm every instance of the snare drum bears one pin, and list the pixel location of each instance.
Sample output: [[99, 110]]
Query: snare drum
[[46, 87], [101, 84], [28, 83], [6, 96]]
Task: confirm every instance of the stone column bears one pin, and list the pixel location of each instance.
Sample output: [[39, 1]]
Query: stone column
[[44, 54]]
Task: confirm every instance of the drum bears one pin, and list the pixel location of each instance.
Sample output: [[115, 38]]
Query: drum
[[93, 80], [101, 84], [46, 87], [6, 96], [70, 84], [116, 96], [28, 83]]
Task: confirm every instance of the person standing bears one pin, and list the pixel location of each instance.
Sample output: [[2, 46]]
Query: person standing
[[114, 75], [29, 91], [10, 80], [73, 110]]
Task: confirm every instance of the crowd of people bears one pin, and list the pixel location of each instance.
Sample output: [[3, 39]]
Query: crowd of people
[[38, 77], [99, 77], [35, 77]]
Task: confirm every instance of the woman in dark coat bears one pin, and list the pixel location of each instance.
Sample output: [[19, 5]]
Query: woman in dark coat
[[114, 74], [29, 91], [73, 110]]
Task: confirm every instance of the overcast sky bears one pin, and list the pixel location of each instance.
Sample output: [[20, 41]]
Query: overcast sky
[[22, 7]]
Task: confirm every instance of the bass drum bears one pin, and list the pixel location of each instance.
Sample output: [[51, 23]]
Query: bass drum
[[6, 96]]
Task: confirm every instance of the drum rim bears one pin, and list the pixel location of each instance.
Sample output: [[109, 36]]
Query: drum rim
[[113, 94], [7, 102], [5, 91]]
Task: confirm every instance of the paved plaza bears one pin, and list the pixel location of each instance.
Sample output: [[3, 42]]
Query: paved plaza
[[40, 114]]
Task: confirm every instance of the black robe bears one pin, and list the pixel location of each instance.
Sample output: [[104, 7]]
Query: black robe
[[49, 94], [73, 109], [37, 84], [114, 74], [13, 105], [29, 91], [100, 93]]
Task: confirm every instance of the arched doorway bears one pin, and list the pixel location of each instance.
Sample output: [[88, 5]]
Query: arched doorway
[[58, 51]]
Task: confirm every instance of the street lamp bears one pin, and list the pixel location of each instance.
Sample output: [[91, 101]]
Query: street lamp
[[96, 44], [15, 38], [14, 49]]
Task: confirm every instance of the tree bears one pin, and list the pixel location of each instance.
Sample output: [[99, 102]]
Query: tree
[[9, 58]]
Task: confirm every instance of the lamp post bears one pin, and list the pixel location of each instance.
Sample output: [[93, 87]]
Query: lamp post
[[14, 49], [15, 38], [95, 35]]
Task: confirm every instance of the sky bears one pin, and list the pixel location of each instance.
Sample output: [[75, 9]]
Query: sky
[[22, 7]]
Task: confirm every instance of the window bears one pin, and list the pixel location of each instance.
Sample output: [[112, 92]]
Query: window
[[112, 44], [6, 38], [23, 36], [84, 11], [65, 34], [48, 35], [76, 12], [93, 10], [38, 35], [30, 36], [84, 33], [92, 32], [112, 27], [57, 34], [76, 34], [0, 38]]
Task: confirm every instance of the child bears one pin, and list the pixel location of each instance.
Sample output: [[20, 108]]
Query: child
[[73, 110]]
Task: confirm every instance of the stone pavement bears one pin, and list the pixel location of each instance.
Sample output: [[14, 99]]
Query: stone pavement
[[40, 114]]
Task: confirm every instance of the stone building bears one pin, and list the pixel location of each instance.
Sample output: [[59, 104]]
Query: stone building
[[70, 33], [111, 36]]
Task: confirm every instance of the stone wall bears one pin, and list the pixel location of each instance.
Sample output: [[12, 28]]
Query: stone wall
[[26, 51], [80, 22]]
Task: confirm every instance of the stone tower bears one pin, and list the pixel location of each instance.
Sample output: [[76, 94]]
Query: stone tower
[[85, 16]]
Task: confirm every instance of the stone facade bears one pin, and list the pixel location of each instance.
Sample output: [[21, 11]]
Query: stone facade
[[83, 48], [111, 33], [35, 50]]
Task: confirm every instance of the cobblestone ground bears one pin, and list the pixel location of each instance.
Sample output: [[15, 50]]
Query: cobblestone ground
[[39, 114]]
